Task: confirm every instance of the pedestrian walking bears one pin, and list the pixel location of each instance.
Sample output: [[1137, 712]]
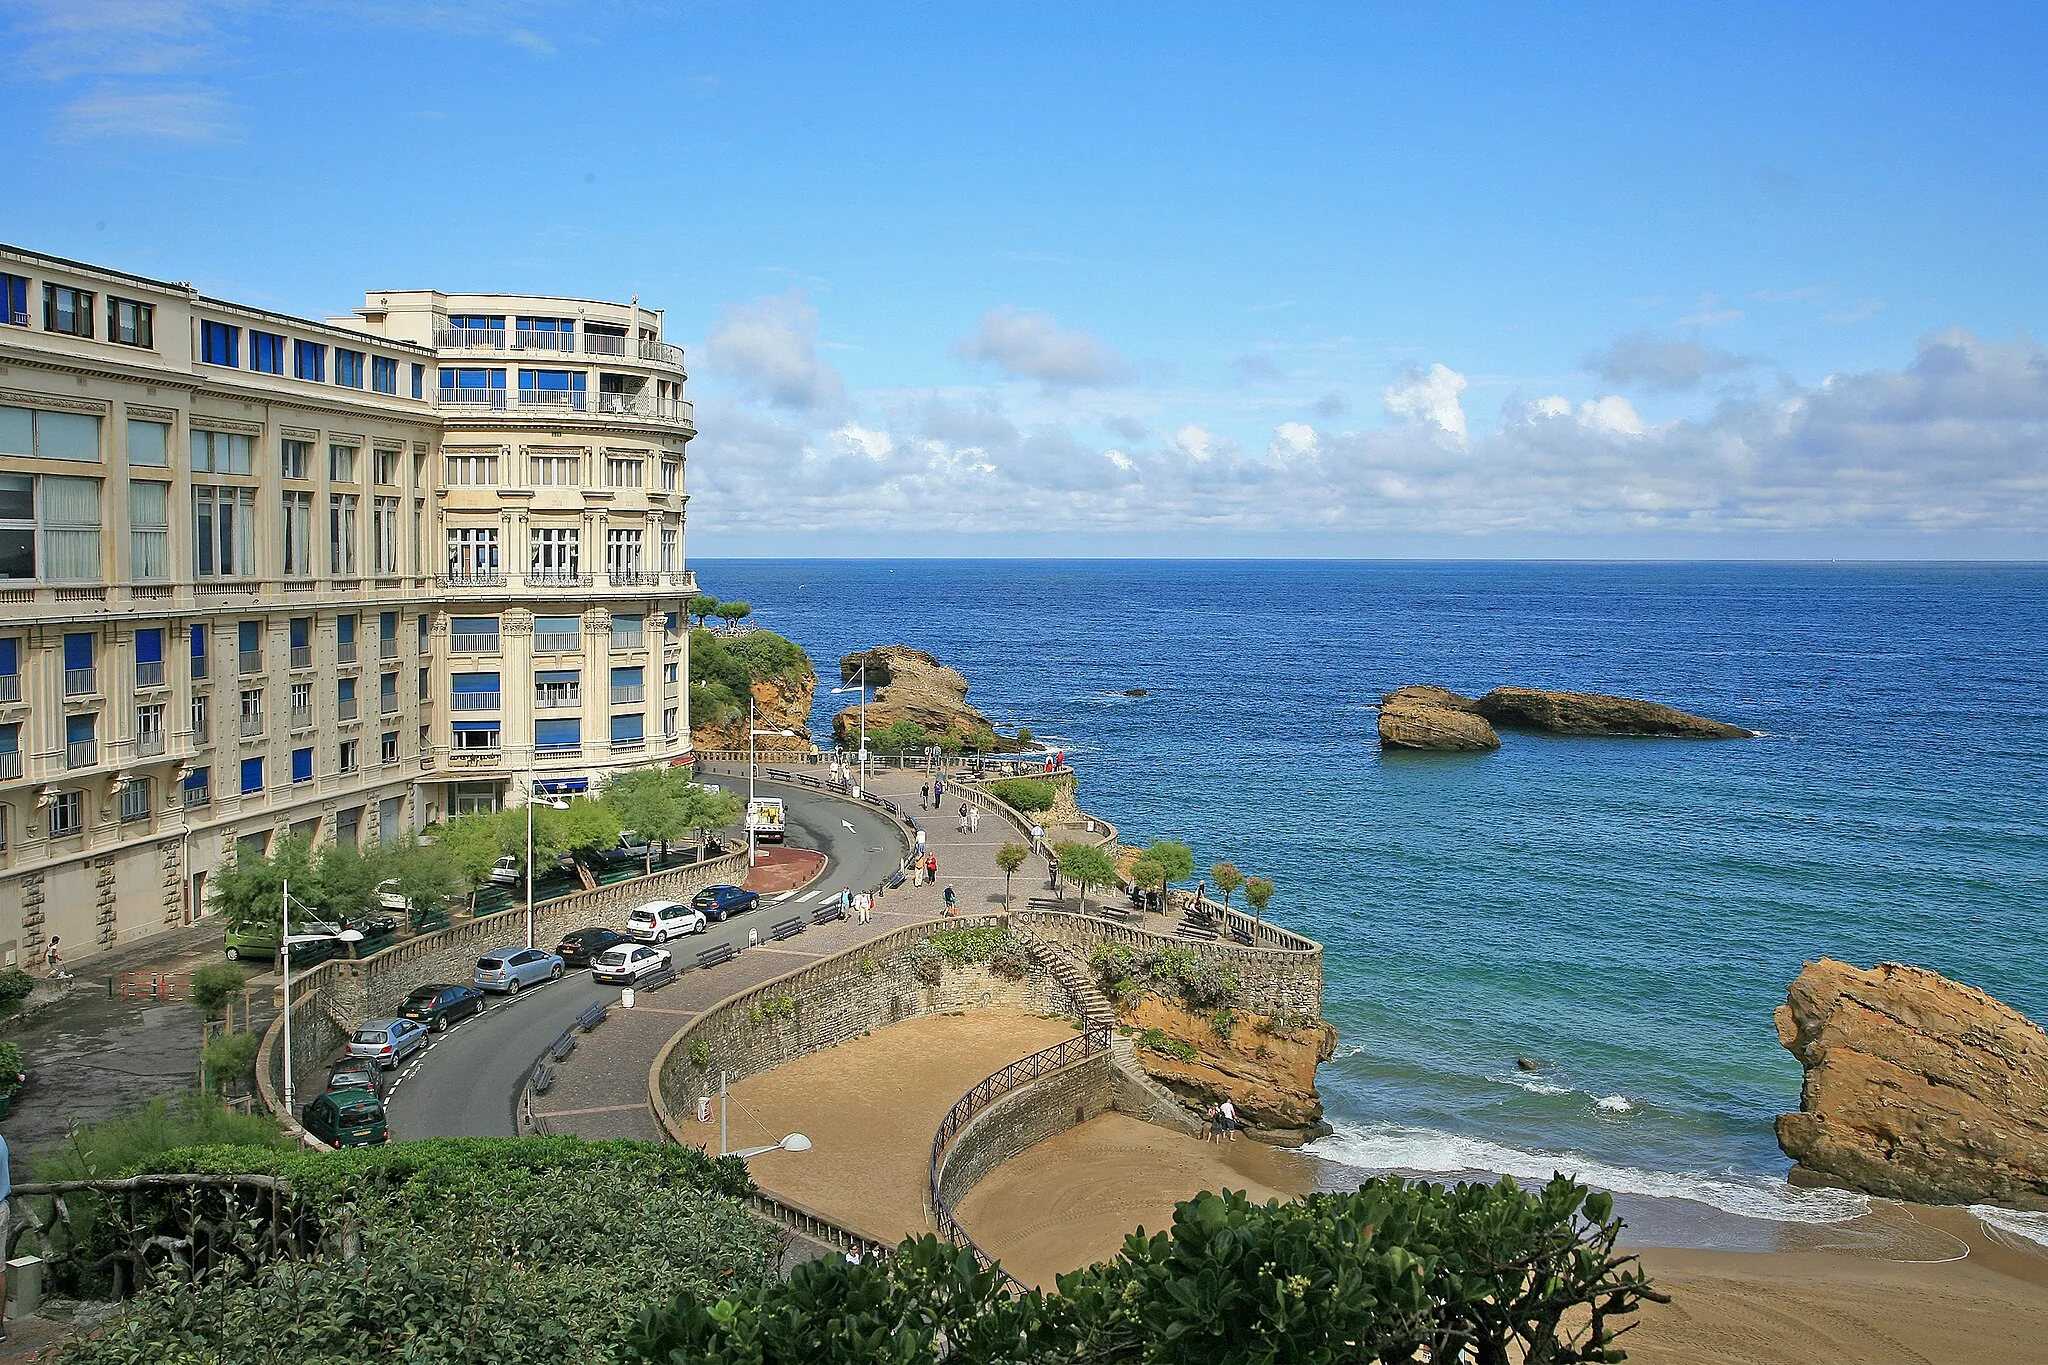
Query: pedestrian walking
[[924, 796], [861, 907], [938, 792], [920, 841], [1227, 1112], [950, 898], [845, 900], [53, 961], [963, 817], [973, 818], [931, 868]]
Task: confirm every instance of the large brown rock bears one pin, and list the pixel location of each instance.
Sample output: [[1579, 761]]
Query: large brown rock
[[1265, 1067], [780, 704], [1593, 713], [911, 685], [1916, 1087], [1434, 718]]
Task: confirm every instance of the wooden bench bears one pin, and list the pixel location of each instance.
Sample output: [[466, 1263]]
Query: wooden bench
[[788, 928], [593, 1016], [827, 912], [564, 1044], [715, 957], [656, 979], [543, 1078]]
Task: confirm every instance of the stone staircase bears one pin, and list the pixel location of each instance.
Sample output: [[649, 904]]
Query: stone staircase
[[1162, 1106]]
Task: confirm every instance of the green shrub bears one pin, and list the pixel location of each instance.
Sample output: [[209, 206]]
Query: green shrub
[[1200, 983], [1112, 962], [1394, 1272], [1023, 793], [1153, 1040], [15, 985], [229, 1058], [11, 1068], [962, 946], [867, 964], [135, 1141], [773, 1007], [1223, 1023], [214, 984], [700, 1053]]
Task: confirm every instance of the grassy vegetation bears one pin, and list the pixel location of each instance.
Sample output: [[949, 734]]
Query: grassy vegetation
[[1023, 793]]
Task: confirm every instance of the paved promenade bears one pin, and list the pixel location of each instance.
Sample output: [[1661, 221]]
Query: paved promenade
[[600, 1090]]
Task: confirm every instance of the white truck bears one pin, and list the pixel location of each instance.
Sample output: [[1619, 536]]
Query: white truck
[[764, 817]]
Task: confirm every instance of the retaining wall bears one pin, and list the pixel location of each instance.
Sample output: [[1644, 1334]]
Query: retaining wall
[[1269, 980], [1023, 1118], [834, 999]]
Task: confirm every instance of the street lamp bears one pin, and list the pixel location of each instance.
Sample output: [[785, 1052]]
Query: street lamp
[[532, 793], [862, 674], [795, 1142], [285, 939], [753, 715]]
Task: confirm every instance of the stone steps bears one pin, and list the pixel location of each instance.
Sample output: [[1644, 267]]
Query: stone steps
[[1096, 1012]]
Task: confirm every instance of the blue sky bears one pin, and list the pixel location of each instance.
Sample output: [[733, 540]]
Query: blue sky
[[1359, 279]]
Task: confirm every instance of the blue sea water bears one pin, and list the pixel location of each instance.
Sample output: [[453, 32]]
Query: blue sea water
[[1626, 912]]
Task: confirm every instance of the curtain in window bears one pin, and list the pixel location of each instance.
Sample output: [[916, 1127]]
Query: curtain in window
[[71, 516], [149, 536], [67, 436], [149, 443]]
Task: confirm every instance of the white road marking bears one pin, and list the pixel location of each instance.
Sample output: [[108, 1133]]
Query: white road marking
[[783, 897], [849, 826], [809, 895]]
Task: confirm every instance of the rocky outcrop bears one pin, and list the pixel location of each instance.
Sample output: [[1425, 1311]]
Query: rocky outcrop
[[1916, 1087], [1433, 718], [1593, 713], [1265, 1067], [783, 703], [911, 685]]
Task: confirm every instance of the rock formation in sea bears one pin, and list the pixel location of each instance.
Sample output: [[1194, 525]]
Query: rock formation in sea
[[1433, 718], [911, 685], [1917, 1087], [1266, 1067]]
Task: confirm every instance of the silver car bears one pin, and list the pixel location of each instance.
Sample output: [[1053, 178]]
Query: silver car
[[509, 969], [386, 1042]]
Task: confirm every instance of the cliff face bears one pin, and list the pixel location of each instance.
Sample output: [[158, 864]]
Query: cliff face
[[784, 703], [1266, 1068], [910, 685], [1916, 1087], [1433, 718]]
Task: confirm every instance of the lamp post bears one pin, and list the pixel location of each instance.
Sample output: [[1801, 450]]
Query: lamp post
[[794, 1142], [285, 939], [862, 674], [532, 793], [753, 716]]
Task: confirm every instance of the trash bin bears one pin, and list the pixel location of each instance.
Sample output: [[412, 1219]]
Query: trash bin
[[625, 997]]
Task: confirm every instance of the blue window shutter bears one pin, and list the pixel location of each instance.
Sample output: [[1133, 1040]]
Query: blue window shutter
[[419, 380], [149, 646], [252, 775], [476, 682], [558, 732], [78, 729], [567, 675], [196, 779], [248, 635], [302, 631], [199, 642], [302, 765], [10, 739], [473, 726], [345, 629], [629, 727], [10, 658], [626, 677], [78, 651], [346, 689]]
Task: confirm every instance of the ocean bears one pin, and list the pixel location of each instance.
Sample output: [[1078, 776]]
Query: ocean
[[1626, 913]]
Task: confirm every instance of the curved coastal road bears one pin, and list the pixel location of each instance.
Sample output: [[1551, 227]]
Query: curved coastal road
[[466, 1083]]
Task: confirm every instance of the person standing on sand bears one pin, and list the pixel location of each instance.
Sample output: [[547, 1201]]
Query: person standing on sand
[[1227, 1112]]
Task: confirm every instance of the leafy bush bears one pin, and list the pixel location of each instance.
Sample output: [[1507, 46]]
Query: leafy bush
[[1153, 1040], [773, 1007], [868, 965], [136, 1141], [925, 963], [723, 670], [10, 1068], [1393, 1272], [229, 1058], [1223, 1023], [15, 985], [214, 984], [1010, 961], [1023, 793], [1200, 983], [700, 1054], [962, 946]]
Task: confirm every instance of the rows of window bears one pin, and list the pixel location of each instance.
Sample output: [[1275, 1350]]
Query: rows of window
[[477, 331], [555, 556], [73, 312], [551, 634], [560, 737], [558, 469], [220, 343]]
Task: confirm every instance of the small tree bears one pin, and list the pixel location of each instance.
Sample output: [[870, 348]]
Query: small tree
[[701, 606], [1009, 858], [711, 808], [1088, 866], [1227, 879], [422, 873], [583, 831], [251, 893], [1258, 893], [1148, 875], [732, 613], [1176, 860], [473, 842], [655, 803], [900, 737], [347, 881], [214, 984]]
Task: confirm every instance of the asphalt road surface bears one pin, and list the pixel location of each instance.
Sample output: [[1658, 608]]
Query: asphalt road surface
[[466, 1082]]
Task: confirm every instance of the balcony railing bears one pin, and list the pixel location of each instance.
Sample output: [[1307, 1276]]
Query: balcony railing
[[10, 687], [149, 743], [488, 400], [573, 400], [629, 639], [633, 578], [387, 705], [622, 692], [302, 717], [10, 764], [345, 651], [469, 338], [661, 352], [473, 642], [80, 682], [557, 641], [523, 340], [149, 674], [477, 578], [388, 649], [252, 726], [197, 796], [473, 701], [566, 401], [601, 343], [552, 701], [252, 661], [489, 748], [347, 708], [627, 746], [302, 656], [557, 750], [81, 753], [556, 578]]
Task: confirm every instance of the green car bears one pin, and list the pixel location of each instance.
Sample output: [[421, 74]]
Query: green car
[[260, 941], [347, 1118]]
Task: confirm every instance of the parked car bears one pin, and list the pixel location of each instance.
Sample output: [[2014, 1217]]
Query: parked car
[[389, 898], [578, 949], [260, 941], [628, 963], [347, 1118], [439, 1006], [510, 969], [506, 870], [387, 1042], [721, 901], [356, 1075], [659, 921], [631, 848]]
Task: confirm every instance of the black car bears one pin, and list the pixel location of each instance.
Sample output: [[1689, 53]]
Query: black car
[[577, 949], [439, 1006], [355, 1074]]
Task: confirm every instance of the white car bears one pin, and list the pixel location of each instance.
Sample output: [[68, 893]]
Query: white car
[[388, 897], [659, 921], [505, 871], [627, 963]]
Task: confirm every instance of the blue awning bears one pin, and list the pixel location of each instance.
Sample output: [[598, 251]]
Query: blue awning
[[563, 784], [475, 725]]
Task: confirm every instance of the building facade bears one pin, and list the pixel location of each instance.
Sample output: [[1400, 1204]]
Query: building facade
[[262, 574]]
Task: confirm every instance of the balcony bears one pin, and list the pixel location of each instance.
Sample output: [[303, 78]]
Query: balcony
[[149, 743], [602, 343], [388, 648], [10, 687], [661, 353], [387, 705], [302, 656], [556, 578], [553, 402], [557, 642], [627, 746], [252, 726], [345, 709], [633, 578], [302, 718], [81, 682], [198, 796], [10, 764], [629, 639], [556, 751], [471, 701], [81, 753], [252, 661], [473, 642], [345, 651], [469, 338], [555, 701], [564, 342], [476, 578], [628, 692], [149, 674]]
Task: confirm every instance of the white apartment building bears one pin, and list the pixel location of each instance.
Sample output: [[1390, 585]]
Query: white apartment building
[[263, 574]]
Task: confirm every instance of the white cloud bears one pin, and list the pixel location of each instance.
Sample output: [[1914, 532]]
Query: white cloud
[[1033, 346], [531, 41], [1429, 395], [171, 115], [1653, 363], [768, 347]]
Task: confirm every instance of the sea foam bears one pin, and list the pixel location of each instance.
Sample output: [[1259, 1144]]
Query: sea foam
[[1427, 1151], [2031, 1227]]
